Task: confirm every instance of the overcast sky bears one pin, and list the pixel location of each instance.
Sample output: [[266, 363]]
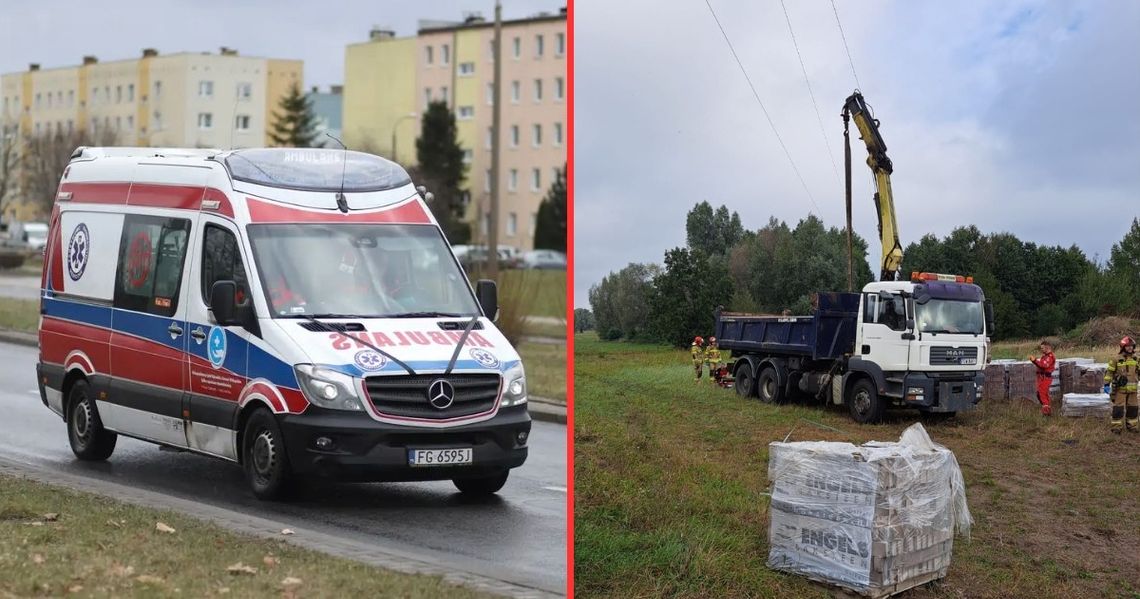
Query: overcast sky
[[58, 33], [1016, 116]]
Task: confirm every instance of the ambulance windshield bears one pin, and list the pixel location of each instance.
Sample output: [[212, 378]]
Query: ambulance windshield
[[315, 169], [359, 271]]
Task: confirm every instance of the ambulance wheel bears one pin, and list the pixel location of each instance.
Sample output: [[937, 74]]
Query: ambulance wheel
[[264, 459], [768, 386], [865, 404], [482, 486], [745, 384], [89, 440]]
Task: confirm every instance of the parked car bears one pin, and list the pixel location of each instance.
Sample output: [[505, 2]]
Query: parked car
[[544, 259], [35, 235], [475, 255]]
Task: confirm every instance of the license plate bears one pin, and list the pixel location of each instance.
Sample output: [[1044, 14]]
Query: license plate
[[968, 361], [439, 457]]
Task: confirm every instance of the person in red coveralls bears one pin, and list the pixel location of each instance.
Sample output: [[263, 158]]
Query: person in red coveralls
[[1044, 366]]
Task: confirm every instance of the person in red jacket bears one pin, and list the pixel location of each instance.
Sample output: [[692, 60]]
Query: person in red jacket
[[1044, 366]]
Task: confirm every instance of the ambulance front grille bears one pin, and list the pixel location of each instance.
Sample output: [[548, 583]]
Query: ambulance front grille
[[407, 395]]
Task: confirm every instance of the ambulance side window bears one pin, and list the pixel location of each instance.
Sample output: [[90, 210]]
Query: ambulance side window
[[152, 253], [221, 261]]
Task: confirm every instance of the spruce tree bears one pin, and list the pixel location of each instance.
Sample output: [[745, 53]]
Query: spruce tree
[[550, 229], [441, 169], [295, 126]]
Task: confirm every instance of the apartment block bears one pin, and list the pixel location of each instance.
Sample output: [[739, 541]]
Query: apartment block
[[390, 80]]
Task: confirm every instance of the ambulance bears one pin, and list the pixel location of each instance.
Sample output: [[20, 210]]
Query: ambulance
[[296, 311]]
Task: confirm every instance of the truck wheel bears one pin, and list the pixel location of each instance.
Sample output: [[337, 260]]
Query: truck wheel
[[480, 487], [264, 458], [89, 440], [865, 404], [768, 386], [745, 383]]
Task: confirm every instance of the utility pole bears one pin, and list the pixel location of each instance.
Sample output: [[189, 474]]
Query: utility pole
[[847, 173], [496, 108]]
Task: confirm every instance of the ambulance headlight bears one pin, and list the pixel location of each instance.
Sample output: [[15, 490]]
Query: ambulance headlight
[[516, 386], [327, 388]]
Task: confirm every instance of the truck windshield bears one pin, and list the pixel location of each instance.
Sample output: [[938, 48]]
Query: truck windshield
[[359, 271], [950, 316]]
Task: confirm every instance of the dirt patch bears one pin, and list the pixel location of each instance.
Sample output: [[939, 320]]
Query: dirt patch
[[1107, 330]]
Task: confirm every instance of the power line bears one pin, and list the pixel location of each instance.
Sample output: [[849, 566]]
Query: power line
[[765, 110], [814, 104], [844, 36]]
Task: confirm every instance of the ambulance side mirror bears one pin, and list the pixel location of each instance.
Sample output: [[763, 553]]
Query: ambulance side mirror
[[222, 303], [488, 296]]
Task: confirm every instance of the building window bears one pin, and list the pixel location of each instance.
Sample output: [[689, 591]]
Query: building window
[[533, 222], [468, 156], [517, 46], [558, 134], [71, 125], [512, 224], [131, 92], [466, 112], [487, 180], [107, 123], [443, 94], [70, 98], [444, 54], [515, 92], [157, 121], [466, 69], [241, 122], [538, 90], [39, 101], [490, 138], [37, 128], [513, 180], [538, 46], [485, 223], [535, 179], [118, 94], [118, 123], [536, 135], [205, 89], [107, 93], [428, 54], [560, 44], [491, 50], [157, 90], [490, 94], [559, 91], [427, 97], [49, 100], [130, 124], [205, 120], [514, 136], [245, 90]]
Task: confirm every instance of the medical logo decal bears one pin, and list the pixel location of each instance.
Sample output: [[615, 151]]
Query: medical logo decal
[[441, 394], [485, 358], [369, 360], [216, 348], [78, 251]]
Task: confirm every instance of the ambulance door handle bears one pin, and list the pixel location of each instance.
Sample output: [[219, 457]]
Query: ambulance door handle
[[198, 334], [174, 329]]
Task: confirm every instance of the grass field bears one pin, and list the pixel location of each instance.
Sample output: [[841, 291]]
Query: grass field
[[92, 546], [548, 288], [670, 477], [545, 369], [19, 314]]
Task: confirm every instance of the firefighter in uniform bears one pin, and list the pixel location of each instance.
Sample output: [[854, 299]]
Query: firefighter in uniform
[[1120, 379], [697, 349], [1044, 366], [712, 358]]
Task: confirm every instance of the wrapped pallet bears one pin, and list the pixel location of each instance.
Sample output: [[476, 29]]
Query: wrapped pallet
[[1067, 370], [1090, 378], [877, 519], [1081, 405], [1022, 378], [994, 384]]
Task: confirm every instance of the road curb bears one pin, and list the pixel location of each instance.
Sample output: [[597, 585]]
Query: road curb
[[542, 409]]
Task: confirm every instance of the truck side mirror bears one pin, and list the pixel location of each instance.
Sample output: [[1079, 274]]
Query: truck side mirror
[[989, 309], [223, 303], [488, 295], [910, 324]]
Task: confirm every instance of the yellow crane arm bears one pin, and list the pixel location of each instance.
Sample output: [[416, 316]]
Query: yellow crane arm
[[856, 108]]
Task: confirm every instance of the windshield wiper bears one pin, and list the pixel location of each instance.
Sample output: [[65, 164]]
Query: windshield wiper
[[331, 329], [462, 340], [424, 315]]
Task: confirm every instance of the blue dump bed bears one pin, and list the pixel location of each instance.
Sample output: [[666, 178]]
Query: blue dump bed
[[828, 333]]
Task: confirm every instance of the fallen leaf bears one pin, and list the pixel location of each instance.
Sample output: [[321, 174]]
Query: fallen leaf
[[270, 561], [51, 518], [162, 527], [288, 531], [291, 581], [75, 589], [148, 579], [37, 558], [115, 524], [240, 568]]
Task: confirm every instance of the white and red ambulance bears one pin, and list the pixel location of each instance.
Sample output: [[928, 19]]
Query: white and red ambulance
[[297, 311]]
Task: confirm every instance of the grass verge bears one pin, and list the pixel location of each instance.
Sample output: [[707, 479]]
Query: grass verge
[[19, 314], [670, 477], [55, 542], [545, 369], [549, 290]]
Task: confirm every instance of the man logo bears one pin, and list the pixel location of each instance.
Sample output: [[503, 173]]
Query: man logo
[[367, 359], [485, 358], [78, 250], [441, 394]]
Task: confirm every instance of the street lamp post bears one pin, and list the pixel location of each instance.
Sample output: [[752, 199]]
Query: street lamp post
[[410, 115]]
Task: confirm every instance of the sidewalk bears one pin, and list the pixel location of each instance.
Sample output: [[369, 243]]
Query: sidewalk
[[545, 410]]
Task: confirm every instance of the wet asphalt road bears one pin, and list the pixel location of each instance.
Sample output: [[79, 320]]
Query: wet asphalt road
[[518, 536]]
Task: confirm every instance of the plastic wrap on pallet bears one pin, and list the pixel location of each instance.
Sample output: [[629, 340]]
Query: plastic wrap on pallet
[[877, 518], [994, 382], [1086, 404], [1089, 378], [1022, 377]]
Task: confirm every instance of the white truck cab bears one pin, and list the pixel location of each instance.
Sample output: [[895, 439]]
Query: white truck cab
[[297, 311]]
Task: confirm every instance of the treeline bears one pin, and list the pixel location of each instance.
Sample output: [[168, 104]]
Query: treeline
[[1036, 290]]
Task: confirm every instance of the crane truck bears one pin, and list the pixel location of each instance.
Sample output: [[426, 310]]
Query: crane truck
[[918, 343]]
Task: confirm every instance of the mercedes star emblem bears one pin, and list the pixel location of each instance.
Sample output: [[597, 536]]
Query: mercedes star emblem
[[441, 394]]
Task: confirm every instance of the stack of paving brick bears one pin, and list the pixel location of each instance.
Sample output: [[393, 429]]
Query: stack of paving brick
[[1022, 380], [1080, 405], [995, 385], [877, 519], [1089, 378], [1069, 369]]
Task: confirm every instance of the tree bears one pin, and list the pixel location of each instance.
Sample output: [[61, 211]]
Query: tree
[[583, 320], [550, 230], [9, 161], [621, 302], [686, 294], [1124, 261], [440, 167], [295, 126], [712, 232], [44, 157]]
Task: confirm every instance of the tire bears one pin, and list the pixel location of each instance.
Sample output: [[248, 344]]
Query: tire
[[482, 486], [89, 440], [264, 457], [768, 386], [865, 404], [745, 384]]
